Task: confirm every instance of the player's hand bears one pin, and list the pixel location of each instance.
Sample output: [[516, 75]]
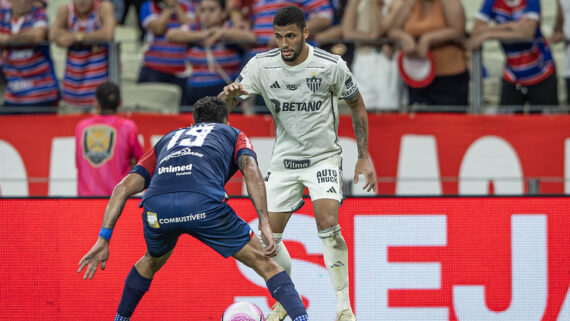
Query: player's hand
[[268, 240], [99, 253], [234, 89], [364, 167]]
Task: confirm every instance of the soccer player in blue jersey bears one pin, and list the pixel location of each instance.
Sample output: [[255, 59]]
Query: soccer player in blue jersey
[[185, 174]]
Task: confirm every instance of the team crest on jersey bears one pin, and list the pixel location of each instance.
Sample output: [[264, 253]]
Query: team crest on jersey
[[314, 83], [99, 144]]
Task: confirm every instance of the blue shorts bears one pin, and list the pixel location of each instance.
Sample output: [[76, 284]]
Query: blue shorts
[[167, 216]]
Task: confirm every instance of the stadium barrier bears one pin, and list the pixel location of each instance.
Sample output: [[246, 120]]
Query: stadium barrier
[[413, 154], [429, 259]]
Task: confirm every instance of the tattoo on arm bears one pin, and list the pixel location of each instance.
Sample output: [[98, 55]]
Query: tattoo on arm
[[360, 123], [361, 133], [243, 161]]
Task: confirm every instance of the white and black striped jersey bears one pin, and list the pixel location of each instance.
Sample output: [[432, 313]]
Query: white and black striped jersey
[[303, 100]]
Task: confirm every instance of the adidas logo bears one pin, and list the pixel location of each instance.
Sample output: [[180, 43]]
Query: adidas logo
[[275, 85], [337, 264], [332, 190]]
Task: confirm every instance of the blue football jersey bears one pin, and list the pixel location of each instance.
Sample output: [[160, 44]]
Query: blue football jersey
[[199, 159]]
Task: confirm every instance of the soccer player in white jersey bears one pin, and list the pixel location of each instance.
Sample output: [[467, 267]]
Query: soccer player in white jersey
[[301, 86]]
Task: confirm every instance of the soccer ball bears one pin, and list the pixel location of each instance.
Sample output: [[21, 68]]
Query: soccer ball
[[243, 311]]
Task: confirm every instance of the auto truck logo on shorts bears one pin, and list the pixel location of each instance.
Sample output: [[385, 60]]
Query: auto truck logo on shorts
[[178, 170], [327, 176]]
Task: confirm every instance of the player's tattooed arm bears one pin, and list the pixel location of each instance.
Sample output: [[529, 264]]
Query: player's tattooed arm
[[256, 191], [359, 123], [254, 183]]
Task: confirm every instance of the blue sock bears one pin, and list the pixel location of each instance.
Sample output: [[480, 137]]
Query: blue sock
[[302, 317], [282, 289], [135, 287]]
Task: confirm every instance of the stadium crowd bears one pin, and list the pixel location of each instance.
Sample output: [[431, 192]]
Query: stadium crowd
[[200, 45]]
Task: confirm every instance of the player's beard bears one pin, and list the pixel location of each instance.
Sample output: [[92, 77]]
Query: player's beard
[[296, 51]]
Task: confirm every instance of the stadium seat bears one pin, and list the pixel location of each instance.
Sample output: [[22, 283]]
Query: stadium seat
[[151, 97], [494, 62], [491, 90], [59, 57], [128, 36], [471, 7], [53, 7], [130, 65]]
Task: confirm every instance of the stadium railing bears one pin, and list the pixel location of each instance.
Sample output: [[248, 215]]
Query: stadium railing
[[476, 93]]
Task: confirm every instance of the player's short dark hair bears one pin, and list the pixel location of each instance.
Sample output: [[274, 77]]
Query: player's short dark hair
[[108, 96], [290, 15], [210, 109]]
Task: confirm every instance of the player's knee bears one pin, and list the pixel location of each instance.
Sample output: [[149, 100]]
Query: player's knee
[[150, 263], [326, 222], [262, 265]]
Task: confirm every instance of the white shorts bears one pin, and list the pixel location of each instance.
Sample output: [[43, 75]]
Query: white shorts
[[285, 187]]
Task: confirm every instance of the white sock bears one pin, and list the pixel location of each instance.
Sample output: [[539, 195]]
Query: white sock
[[336, 260], [283, 259]]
